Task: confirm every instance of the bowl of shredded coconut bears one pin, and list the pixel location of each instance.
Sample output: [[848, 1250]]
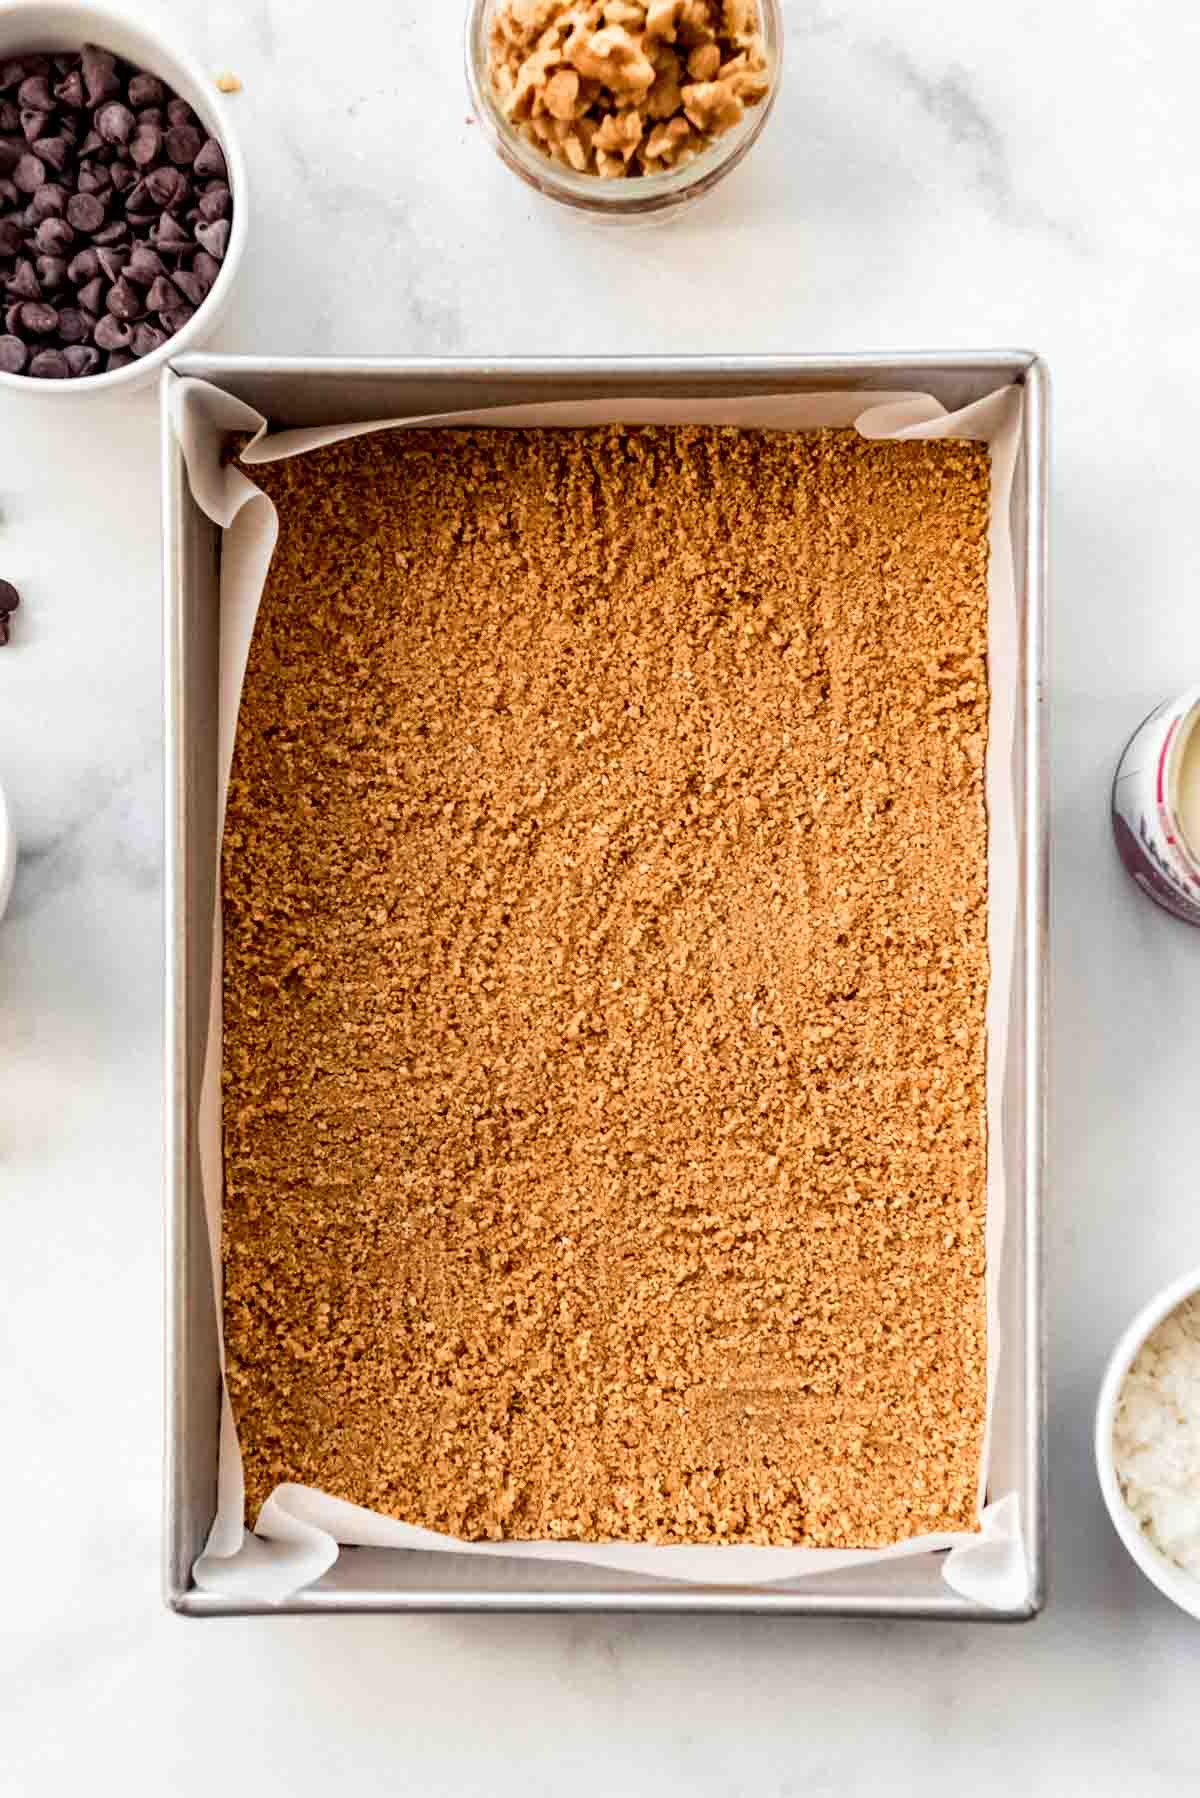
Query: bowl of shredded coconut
[[1148, 1441]]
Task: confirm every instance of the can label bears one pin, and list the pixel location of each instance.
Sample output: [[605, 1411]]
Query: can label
[[1145, 820]]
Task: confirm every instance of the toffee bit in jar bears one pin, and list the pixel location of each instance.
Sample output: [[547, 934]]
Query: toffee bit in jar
[[626, 87]]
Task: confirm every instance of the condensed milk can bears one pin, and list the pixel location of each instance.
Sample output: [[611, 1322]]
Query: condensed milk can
[[1156, 807]]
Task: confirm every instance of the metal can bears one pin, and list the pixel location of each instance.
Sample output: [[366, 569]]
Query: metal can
[[1156, 807]]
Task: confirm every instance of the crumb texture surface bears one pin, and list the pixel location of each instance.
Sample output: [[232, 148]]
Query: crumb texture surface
[[605, 886]]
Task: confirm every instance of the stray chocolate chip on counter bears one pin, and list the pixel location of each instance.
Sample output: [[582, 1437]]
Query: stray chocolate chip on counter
[[229, 83], [10, 599]]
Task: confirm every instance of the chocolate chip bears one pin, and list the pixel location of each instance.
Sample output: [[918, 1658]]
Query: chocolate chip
[[11, 237], [93, 144], [12, 74], [50, 201], [147, 338], [191, 286], [114, 236], [82, 359], [12, 318], [53, 151], [50, 365], [9, 197], [211, 160], [176, 317], [23, 284], [115, 122], [13, 357], [54, 236], [83, 267], [162, 295], [10, 156], [214, 238], [51, 271], [145, 90], [94, 178], [179, 112], [119, 359], [206, 268], [167, 187], [112, 259], [39, 319], [34, 94], [34, 125], [169, 234], [184, 143], [10, 599], [85, 212], [91, 296], [69, 91], [73, 325], [144, 266], [113, 333], [123, 177], [124, 301], [99, 74], [214, 202], [29, 174], [145, 146]]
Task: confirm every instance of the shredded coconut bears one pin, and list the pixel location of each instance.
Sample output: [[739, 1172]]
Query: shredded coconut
[[1156, 1437]]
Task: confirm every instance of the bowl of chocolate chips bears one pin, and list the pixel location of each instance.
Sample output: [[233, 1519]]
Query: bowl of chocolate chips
[[122, 200]]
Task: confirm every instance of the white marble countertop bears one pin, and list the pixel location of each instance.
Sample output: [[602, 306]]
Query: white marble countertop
[[936, 175]]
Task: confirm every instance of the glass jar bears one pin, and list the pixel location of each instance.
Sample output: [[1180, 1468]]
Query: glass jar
[[629, 197]]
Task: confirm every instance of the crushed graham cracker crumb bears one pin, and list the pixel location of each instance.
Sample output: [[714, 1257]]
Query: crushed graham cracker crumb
[[605, 975]]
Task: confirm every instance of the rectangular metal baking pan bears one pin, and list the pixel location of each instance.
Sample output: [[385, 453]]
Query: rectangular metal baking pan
[[304, 392]]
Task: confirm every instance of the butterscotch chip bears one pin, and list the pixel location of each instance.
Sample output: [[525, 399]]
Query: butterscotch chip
[[605, 894]]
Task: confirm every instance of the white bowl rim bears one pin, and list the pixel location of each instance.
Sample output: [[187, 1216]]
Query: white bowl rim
[[93, 19], [1181, 1587]]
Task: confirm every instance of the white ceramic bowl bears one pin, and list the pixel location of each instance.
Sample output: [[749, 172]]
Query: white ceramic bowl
[[8, 854], [31, 25], [1182, 1588]]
